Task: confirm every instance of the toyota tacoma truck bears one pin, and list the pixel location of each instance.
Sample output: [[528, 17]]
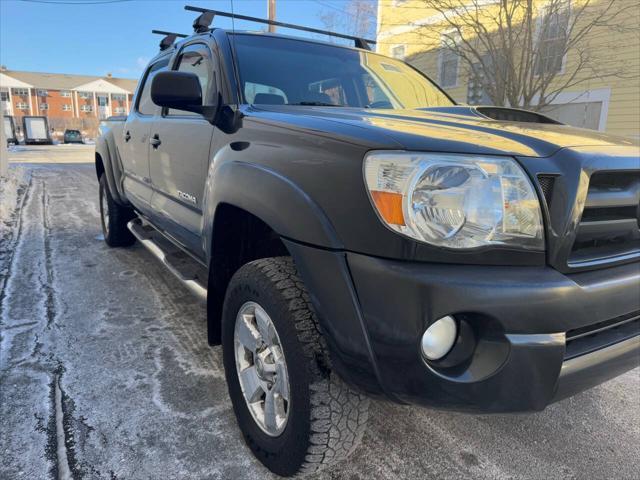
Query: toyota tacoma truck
[[354, 233]]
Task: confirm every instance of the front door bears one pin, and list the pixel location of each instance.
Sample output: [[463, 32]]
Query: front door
[[135, 142], [103, 106], [179, 157]]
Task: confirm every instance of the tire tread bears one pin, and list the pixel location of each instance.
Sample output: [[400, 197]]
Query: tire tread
[[338, 412], [119, 216]]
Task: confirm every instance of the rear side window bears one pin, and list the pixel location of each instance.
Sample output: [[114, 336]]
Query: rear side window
[[145, 104], [196, 59]]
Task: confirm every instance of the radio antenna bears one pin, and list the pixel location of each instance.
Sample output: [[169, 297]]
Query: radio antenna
[[235, 57]]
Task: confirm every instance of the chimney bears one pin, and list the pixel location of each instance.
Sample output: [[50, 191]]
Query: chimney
[[109, 75]]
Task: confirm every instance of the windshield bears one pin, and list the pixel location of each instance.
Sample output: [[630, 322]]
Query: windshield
[[281, 71]]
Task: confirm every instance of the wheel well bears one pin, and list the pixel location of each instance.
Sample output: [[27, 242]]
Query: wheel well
[[238, 237], [99, 166]]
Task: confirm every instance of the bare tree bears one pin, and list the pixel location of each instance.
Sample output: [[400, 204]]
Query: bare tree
[[516, 50], [355, 17]]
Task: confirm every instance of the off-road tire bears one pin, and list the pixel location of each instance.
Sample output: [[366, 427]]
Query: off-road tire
[[327, 418], [114, 226]]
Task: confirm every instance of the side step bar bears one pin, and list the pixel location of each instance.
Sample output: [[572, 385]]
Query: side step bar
[[176, 261]]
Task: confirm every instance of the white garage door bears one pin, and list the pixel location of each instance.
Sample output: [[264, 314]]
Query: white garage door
[[584, 114]]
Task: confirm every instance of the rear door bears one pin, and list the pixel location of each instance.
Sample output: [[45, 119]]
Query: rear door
[[179, 156], [134, 145]]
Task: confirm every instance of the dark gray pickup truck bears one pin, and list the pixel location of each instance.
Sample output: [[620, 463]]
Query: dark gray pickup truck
[[354, 233]]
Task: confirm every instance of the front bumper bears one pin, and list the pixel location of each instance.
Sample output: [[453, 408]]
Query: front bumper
[[374, 312], [519, 316]]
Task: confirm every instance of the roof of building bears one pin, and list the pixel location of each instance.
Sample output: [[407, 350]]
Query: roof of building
[[64, 81], [11, 82]]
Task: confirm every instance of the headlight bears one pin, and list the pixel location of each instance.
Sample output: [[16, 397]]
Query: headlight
[[455, 200]]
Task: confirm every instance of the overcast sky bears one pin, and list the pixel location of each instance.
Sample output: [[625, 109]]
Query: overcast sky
[[80, 38]]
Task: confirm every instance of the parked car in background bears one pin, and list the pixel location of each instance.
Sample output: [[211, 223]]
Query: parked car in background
[[72, 136], [356, 233]]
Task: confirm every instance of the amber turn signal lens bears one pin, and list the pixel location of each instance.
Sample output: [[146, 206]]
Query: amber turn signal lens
[[389, 205]]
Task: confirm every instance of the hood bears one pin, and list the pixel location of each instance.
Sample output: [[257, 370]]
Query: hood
[[454, 129]]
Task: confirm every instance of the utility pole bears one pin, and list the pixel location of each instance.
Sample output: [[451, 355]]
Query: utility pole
[[271, 9]]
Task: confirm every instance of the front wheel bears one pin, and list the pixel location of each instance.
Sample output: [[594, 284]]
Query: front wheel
[[295, 414]]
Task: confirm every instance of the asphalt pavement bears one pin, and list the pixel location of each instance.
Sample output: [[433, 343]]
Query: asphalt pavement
[[105, 372]]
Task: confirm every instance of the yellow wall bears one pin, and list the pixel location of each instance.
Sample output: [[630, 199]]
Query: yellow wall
[[419, 29]]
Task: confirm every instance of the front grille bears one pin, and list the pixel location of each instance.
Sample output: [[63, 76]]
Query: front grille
[[601, 335], [609, 227], [546, 185]]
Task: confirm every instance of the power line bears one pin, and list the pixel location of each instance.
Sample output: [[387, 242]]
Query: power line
[[71, 2]]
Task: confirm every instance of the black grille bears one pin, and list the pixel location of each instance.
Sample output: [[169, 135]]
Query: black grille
[[546, 185], [601, 335], [609, 227]]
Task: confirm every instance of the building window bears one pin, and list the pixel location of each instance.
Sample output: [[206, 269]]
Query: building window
[[22, 106], [398, 51], [65, 93], [86, 108], [85, 94], [4, 96], [118, 97], [44, 106], [43, 93], [448, 64], [66, 108], [552, 39], [119, 110], [22, 92]]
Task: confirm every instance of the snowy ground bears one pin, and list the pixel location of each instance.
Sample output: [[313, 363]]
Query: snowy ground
[[105, 373]]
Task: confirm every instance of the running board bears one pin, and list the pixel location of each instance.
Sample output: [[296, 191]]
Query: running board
[[184, 268]]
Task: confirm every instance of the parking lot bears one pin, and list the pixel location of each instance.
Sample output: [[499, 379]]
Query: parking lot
[[105, 371]]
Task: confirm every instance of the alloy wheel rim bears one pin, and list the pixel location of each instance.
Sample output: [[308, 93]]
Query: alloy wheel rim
[[105, 211], [262, 369]]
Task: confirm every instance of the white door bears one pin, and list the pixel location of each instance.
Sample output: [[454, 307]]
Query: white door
[[103, 106]]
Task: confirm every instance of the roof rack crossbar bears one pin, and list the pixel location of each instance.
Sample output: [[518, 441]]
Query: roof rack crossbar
[[163, 32], [169, 39], [359, 42]]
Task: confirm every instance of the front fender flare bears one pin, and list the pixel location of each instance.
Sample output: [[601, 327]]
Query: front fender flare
[[270, 196]]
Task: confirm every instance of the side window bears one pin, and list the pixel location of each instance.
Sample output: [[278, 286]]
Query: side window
[[145, 104], [196, 59], [259, 93]]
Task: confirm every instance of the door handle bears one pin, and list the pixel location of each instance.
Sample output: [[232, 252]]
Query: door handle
[[155, 141], [127, 137]]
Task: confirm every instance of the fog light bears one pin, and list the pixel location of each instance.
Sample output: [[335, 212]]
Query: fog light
[[439, 338]]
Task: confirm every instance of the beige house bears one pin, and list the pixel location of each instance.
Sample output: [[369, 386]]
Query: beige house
[[408, 29]]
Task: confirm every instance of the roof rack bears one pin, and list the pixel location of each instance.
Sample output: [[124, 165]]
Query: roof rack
[[169, 39], [203, 22], [359, 42]]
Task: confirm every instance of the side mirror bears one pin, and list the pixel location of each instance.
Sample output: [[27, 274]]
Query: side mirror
[[178, 90]]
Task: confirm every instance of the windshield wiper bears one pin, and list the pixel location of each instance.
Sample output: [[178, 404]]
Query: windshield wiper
[[316, 104]]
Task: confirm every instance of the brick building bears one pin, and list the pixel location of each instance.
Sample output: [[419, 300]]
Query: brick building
[[69, 101]]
